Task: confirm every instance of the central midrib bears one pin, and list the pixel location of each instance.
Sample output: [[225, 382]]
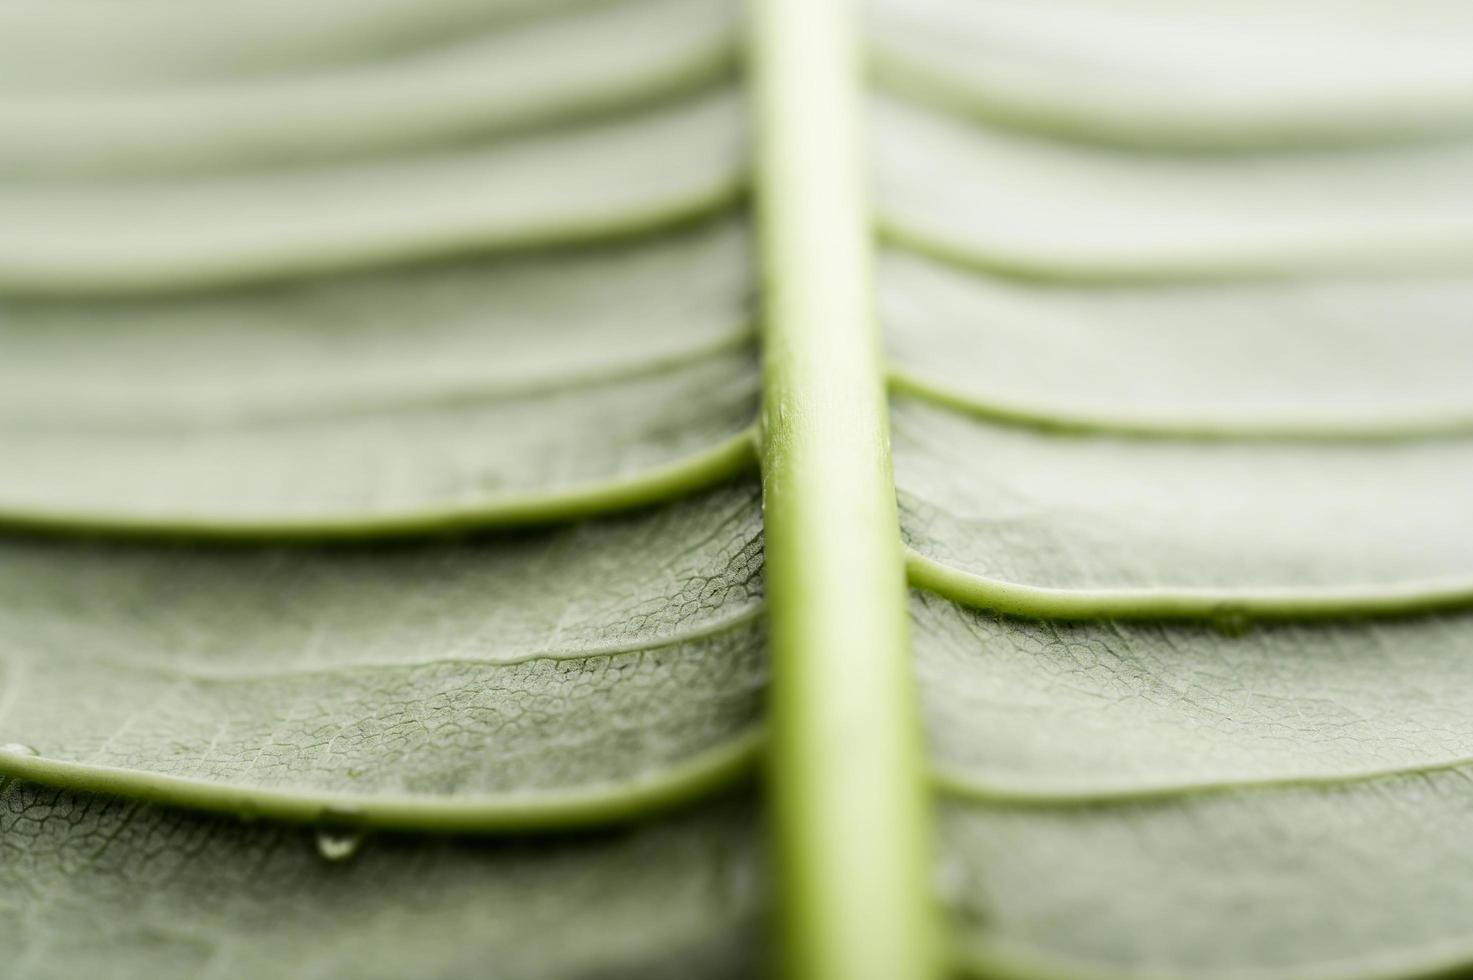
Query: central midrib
[[847, 781]]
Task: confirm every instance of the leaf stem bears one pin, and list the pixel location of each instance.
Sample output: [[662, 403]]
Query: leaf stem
[[848, 787]]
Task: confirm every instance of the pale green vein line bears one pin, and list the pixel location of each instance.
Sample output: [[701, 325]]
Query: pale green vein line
[[987, 961], [1237, 607], [539, 810], [740, 336], [24, 272], [336, 31], [724, 461], [446, 93], [218, 676], [1347, 429], [915, 79], [1387, 258], [1045, 793], [306, 405]]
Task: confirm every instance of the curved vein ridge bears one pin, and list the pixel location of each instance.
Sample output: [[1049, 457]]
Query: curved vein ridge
[[1092, 75], [986, 960], [551, 71], [584, 806], [1438, 253], [653, 644], [1213, 219], [1235, 608], [721, 462], [954, 782], [472, 386], [1350, 429], [669, 167], [39, 41]]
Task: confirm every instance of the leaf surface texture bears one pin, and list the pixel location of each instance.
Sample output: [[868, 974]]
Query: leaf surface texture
[[461, 283], [380, 399], [1180, 443]]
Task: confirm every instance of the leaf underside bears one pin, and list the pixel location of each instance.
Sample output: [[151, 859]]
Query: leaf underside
[[1181, 397], [378, 399], [321, 316]]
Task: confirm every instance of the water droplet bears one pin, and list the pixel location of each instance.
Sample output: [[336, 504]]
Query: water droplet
[[340, 832], [1231, 619], [16, 748], [337, 844]]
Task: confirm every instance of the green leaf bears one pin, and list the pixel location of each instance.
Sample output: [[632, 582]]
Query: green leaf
[[458, 394], [1054, 711], [132, 891], [534, 73], [1300, 358], [266, 339], [1076, 211], [46, 49], [1146, 520], [524, 681], [1362, 879], [1199, 75], [661, 167], [1183, 485], [387, 589]]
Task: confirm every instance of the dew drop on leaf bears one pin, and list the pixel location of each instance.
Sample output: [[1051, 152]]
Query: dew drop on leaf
[[340, 833], [337, 844]]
